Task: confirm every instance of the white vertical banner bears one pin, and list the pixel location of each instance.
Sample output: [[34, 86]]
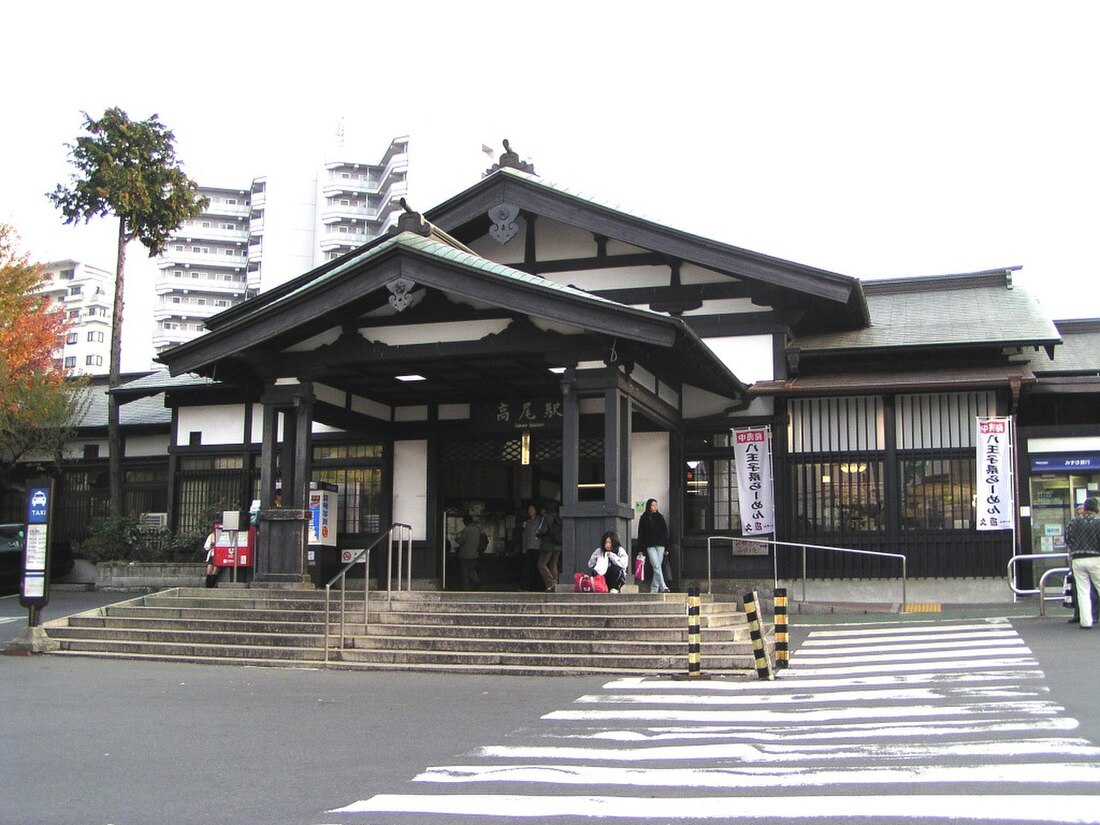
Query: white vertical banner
[[995, 499], [753, 457]]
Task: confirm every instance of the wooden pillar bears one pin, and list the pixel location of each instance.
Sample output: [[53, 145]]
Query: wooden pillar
[[281, 544]]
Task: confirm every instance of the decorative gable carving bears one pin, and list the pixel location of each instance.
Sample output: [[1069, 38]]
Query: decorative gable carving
[[504, 223]]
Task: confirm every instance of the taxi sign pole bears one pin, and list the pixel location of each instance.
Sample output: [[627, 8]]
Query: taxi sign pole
[[34, 591]]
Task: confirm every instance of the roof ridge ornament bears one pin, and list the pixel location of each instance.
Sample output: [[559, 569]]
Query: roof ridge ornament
[[412, 221], [510, 160]]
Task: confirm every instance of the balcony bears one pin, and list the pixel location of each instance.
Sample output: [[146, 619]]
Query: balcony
[[239, 209], [185, 312], [213, 258], [199, 286], [343, 240], [211, 233]]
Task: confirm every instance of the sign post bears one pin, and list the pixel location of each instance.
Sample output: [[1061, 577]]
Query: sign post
[[35, 592]]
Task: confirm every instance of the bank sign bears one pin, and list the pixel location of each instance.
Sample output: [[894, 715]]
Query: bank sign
[[996, 505]]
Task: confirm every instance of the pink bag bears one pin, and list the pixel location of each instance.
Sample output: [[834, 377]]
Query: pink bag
[[639, 567], [583, 583]]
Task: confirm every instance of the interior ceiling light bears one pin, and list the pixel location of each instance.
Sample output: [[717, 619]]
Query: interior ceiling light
[[412, 377], [557, 370]]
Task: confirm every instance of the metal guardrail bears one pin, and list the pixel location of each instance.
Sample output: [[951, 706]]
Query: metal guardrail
[[404, 537], [1041, 589], [775, 559]]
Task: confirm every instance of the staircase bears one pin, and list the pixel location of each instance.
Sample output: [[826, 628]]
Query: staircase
[[517, 633]]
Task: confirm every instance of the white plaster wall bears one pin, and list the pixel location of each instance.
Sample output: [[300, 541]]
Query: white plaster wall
[[749, 357], [727, 306], [410, 485], [648, 471], [218, 424], [699, 403], [435, 333], [758, 406], [615, 247], [555, 241], [329, 336], [330, 395], [1089, 444], [512, 252], [614, 278], [145, 445], [692, 274], [366, 406], [419, 413]]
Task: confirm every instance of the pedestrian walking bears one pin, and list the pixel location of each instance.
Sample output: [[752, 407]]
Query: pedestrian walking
[[653, 539]]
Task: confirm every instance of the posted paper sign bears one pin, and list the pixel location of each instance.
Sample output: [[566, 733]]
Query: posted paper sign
[[753, 457], [994, 491]]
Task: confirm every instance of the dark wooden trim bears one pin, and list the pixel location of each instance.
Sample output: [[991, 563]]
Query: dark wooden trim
[[736, 323]]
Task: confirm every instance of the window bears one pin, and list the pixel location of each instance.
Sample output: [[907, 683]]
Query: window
[[231, 201], [221, 303], [71, 338], [74, 314], [70, 362], [76, 290], [839, 496], [179, 247], [710, 485], [356, 471], [938, 494], [93, 361], [95, 337], [206, 224]]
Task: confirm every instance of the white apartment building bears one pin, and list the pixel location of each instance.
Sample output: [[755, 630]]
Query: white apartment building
[[285, 223], [86, 293]]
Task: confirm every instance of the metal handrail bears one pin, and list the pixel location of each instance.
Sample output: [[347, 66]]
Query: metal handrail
[[805, 547], [1040, 591], [405, 533]]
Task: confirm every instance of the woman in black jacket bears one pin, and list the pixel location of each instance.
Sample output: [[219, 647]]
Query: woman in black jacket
[[653, 538]]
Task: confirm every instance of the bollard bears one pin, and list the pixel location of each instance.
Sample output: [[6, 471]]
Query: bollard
[[695, 664], [782, 638], [763, 666]]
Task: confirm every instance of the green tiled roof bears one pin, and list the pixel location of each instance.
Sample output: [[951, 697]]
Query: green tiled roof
[[959, 310], [446, 252]]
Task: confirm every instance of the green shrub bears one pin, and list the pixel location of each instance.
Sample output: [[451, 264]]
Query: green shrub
[[122, 538]]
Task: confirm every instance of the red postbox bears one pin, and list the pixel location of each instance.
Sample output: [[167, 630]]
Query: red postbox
[[226, 555]]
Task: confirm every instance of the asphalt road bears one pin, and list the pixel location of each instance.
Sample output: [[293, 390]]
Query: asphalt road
[[92, 742]]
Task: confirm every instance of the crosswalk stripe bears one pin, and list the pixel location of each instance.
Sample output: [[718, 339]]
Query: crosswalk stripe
[[761, 753], [921, 706], [776, 716], [756, 777], [1010, 807]]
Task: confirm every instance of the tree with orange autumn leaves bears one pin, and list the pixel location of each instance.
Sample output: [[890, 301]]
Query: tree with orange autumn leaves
[[38, 404]]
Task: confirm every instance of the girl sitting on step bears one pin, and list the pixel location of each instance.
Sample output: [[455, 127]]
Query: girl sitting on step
[[610, 561]]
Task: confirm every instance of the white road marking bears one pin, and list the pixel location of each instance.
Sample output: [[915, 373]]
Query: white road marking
[[915, 706], [873, 695], [753, 777], [1067, 808], [828, 715], [923, 644], [861, 730], [780, 685]]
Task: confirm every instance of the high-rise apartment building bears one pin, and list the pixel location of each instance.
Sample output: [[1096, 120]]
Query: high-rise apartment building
[[285, 223], [86, 294]]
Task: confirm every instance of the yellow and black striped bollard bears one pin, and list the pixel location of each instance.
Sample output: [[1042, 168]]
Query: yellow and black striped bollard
[[695, 636], [782, 637], [760, 653]]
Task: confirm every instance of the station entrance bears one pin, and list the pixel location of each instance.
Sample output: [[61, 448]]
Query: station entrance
[[494, 479]]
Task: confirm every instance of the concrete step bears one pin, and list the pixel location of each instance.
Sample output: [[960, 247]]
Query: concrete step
[[438, 631], [595, 662], [129, 634], [571, 647], [537, 633]]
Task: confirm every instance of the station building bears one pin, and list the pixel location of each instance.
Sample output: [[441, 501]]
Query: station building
[[523, 342]]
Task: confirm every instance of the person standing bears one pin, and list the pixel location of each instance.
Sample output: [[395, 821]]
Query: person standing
[[653, 538], [610, 561], [1076, 617], [212, 570], [550, 544], [532, 544], [1083, 544], [469, 546]]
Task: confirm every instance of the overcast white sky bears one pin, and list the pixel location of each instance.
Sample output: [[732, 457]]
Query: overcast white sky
[[874, 139]]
